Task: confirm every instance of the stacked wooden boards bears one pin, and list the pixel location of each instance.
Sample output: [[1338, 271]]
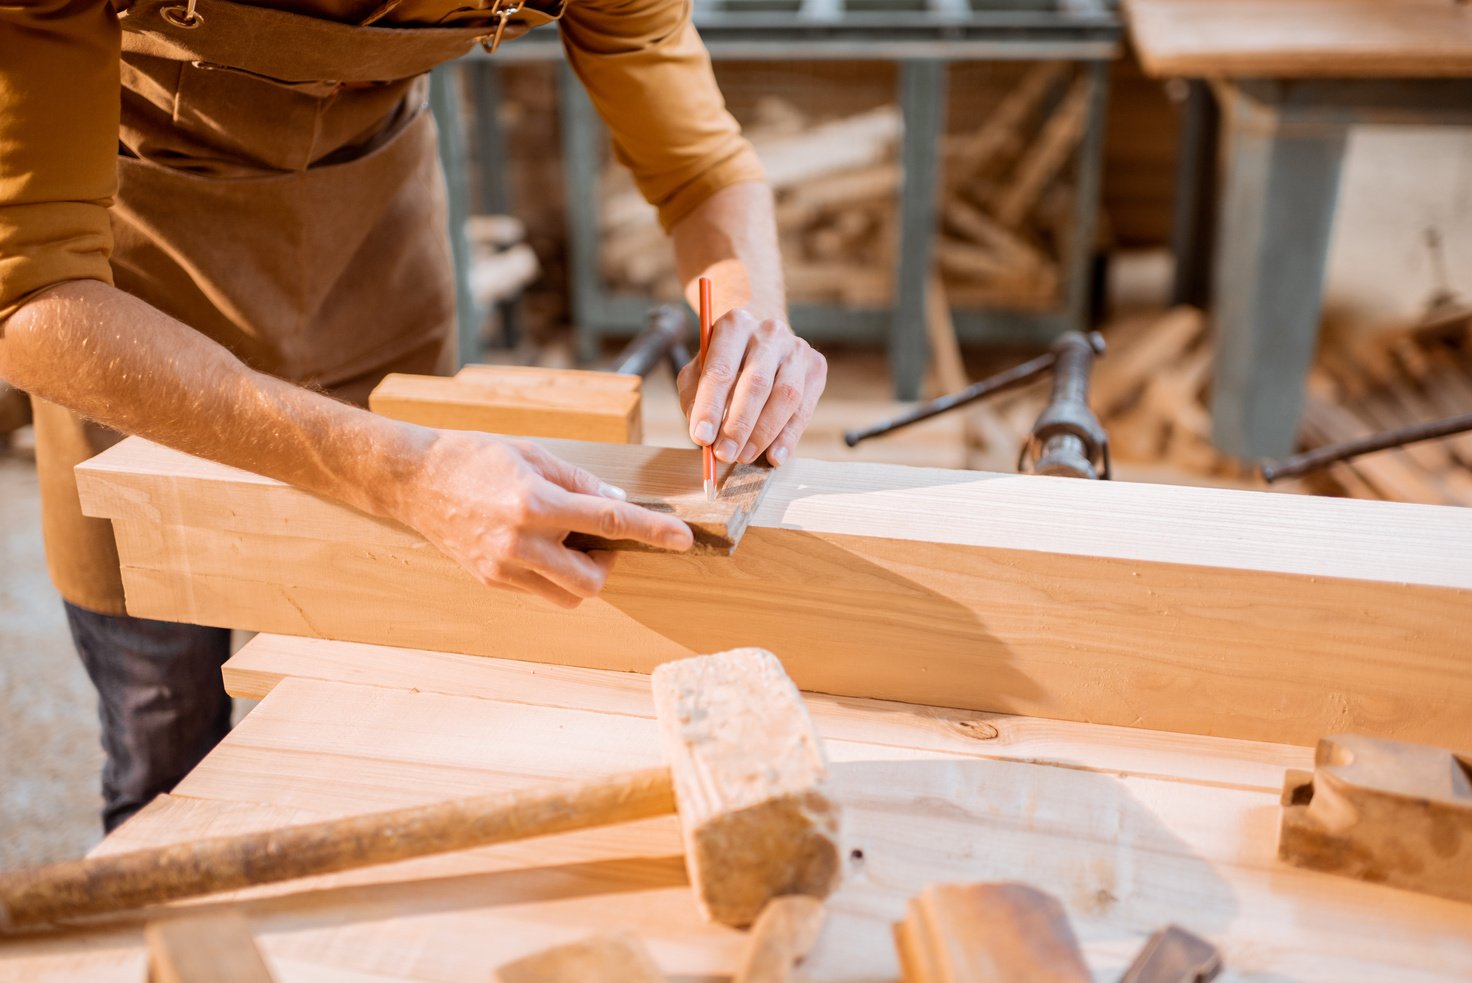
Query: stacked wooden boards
[[1129, 828], [1302, 38], [1195, 610]]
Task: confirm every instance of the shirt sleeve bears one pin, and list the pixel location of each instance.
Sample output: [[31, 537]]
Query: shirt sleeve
[[649, 77], [59, 99]]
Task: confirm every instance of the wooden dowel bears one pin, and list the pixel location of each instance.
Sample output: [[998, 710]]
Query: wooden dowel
[[94, 886]]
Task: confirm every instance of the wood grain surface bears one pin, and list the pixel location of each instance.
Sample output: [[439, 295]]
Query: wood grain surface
[[528, 402], [1244, 614], [1124, 852]]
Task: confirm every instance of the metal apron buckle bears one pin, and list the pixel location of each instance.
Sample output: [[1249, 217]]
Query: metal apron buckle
[[183, 16], [503, 12]]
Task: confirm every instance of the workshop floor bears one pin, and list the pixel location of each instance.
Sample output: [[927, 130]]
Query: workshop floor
[[49, 767]]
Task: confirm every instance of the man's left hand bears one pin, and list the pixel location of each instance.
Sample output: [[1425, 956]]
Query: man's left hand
[[757, 394]]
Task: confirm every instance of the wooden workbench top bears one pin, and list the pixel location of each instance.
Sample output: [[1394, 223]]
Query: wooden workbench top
[[1302, 38], [1129, 828]]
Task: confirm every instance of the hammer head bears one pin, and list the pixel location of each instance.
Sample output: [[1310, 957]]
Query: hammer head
[[748, 771]]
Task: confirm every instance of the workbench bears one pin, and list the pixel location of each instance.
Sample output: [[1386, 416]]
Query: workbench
[[1278, 84], [1131, 829]]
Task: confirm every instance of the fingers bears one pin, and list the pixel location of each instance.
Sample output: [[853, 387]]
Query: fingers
[[574, 572], [784, 401], [525, 581], [614, 520], [728, 344], [768, 349], [686, 383], [817, 379], [569, 476]]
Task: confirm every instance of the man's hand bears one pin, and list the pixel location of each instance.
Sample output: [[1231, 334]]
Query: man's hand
[[768, 377], [501, 508]]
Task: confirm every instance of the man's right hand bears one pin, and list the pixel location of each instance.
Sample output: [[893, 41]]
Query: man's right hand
[[501, 508]]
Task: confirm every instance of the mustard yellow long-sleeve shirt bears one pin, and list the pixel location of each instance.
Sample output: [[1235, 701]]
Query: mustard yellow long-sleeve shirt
[[641, 60]]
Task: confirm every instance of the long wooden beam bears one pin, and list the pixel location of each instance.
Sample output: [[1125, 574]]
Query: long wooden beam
[[1243, 614]]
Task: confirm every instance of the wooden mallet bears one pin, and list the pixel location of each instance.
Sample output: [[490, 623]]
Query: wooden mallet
[[746, 769]]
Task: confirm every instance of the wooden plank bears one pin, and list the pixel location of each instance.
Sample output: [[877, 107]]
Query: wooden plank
[[1123, 853], [536, 403], [1270, 617], [215, 947], [267, 659], [988, 933], [1302, 38]]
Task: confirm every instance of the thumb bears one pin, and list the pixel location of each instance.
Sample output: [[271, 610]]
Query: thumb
[[572, 477]]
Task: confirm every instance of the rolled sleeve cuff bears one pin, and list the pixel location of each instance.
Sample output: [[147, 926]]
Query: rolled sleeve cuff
[[740, 166], [43, 245]]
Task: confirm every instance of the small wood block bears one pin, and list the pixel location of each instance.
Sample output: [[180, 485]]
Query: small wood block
[[519, 400], [783, 935], [1382, 811], [209, 948], [1174, 955], [749, 773], [717, 525], [620, 958], [988, 933]]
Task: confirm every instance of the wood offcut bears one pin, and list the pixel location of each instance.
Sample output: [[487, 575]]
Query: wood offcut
[[988, 933], [1382, 811]]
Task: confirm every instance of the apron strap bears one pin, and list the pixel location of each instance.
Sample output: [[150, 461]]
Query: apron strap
[[292, 47]]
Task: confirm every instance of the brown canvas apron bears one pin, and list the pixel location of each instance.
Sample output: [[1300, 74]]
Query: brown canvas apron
[[278, 191]]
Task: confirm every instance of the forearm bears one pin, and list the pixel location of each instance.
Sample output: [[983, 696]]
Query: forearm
[[123, 363], [732, 238]]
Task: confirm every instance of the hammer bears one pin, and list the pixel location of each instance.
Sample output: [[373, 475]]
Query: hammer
[[746, 771]]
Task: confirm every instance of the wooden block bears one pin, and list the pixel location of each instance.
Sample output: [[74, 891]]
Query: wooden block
[[1383, 811], [988, 933], [618, 958], [784, 933], [1202, 610], [215, 947], [1174, 955], [525, 402], [748, 773]]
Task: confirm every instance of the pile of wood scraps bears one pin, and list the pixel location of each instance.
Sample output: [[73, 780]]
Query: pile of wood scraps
[[1006, 211], [1396, 379]]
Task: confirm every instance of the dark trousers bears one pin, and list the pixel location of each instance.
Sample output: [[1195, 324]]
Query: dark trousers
[[159, 694]]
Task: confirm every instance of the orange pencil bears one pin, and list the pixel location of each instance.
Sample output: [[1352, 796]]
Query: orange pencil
[[707, 453]]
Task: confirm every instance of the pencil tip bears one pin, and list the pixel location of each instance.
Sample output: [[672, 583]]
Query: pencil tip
[[710, 490]]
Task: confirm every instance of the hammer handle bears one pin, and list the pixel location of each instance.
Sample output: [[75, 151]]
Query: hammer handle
[[94, 886]]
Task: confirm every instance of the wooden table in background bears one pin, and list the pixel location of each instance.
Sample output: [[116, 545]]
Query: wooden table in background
[[1291, 77], [1131, 829]]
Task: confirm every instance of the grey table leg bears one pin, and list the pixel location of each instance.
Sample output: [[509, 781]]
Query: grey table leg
[[1194, 220], [923, 103], [1282, 181], [444, 101]]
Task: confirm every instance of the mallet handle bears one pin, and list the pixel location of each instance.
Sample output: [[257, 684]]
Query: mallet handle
[[93, 886]]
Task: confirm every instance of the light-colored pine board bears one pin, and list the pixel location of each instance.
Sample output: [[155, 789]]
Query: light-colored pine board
[[267, 659], [1124, 853], [1193, 609], [1302, 38], [1266, 617], [525, 402]]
